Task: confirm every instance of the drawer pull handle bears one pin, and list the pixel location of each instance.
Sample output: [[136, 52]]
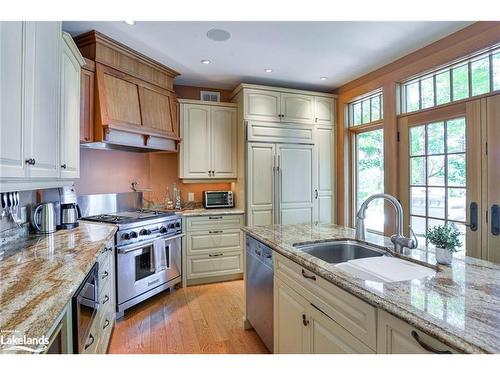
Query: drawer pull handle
[[104, 275], [215, 218], [215, 231], [90, 342], [305, 321], [426, 346], [106, 323], [106, 299], [311, 277], [216, 255]]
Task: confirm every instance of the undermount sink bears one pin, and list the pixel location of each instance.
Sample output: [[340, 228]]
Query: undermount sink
[[366, 262], [339, 251]]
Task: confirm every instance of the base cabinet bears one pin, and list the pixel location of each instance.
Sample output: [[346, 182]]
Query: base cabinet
[[394, 336], [300, 327]]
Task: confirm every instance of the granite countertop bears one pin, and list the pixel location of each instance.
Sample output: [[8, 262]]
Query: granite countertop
[[210, 212], [39, 275], [460, 306]]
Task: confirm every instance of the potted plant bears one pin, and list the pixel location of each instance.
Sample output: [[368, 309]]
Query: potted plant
[[445, 239]]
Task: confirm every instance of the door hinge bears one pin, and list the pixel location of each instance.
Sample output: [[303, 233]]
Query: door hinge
[[398, 137], [486, 216], [486, 148]]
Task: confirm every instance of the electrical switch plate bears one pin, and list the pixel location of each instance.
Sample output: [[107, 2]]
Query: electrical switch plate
[[190, 196]]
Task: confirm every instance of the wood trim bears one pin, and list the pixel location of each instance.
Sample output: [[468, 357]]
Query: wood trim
[[123, 126], [390, 155], [242, 86], [203, 102], [366, 128], [88, 65], [437, 114]]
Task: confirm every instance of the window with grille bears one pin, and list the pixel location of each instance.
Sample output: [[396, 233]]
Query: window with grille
[[366, 110]]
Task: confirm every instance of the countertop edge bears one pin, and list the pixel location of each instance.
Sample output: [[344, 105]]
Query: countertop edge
[[409, 317]]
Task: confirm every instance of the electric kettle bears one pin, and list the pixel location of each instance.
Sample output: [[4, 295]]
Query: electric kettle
[[43, 218]]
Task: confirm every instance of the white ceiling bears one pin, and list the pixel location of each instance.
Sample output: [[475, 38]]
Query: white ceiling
[[298, 52]]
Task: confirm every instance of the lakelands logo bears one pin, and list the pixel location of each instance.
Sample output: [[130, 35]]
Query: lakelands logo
[[13, 341]]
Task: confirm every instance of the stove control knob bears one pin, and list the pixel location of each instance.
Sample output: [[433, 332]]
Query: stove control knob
[[171, 226], [145, 232], [178, 224], [163, 230], [125, 236], [133, 234]]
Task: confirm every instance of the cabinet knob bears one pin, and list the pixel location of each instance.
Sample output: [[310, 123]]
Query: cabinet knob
[[30, 161], [305, 321], [63, 166]]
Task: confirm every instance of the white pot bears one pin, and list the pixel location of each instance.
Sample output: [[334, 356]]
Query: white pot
[[443, 256]]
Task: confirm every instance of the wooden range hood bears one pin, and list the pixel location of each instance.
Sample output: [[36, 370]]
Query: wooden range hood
[[136, 108]]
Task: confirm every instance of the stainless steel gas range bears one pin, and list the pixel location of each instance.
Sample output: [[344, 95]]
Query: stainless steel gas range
[[148, 247]]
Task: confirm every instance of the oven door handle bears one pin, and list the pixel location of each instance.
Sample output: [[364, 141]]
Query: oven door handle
[[139, 245]]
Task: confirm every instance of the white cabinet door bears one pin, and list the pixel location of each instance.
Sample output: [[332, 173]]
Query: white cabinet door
[[195, 147], [397, 337], [70, 111], [11, 100], [42, 88], [296, 178], [324, 110], [323, 193], [224, 142], [297, 108], [261, 105], [260, 183], [328, 337], [291, 334]]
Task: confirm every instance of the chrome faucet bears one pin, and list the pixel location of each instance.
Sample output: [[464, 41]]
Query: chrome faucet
[[398, 239]]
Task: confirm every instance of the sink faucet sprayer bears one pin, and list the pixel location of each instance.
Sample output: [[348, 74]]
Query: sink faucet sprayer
[[398, 239]]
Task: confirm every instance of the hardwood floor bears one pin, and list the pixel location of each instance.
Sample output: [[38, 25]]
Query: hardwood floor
[[198, 319]]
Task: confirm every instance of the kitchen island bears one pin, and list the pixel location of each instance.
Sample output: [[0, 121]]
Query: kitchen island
[[459, 306], [40, 274]]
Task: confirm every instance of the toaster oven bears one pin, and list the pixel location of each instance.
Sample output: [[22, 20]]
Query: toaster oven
[[218, 199]]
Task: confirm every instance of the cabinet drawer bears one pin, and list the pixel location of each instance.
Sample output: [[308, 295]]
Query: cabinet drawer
[[398, 337], [104, 328], [218, 240], [355, 315], [208, 266], [212, 222]]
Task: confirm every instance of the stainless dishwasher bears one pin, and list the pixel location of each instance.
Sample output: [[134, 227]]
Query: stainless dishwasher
[[259, 289]]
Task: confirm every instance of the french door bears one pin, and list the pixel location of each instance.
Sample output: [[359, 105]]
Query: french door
[[440, 172]]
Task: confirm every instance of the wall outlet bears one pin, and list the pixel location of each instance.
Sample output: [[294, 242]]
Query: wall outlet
[[190, 196]]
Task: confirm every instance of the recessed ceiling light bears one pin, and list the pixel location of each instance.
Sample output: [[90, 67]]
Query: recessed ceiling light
[[218, 35], [323, 78], [268, 70], [206, 62], [129, 22]]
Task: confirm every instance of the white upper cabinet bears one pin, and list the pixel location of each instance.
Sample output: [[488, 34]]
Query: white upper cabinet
[[262, 105], [11, 100], [42, 88], [324, 112], [323, 193], [209, 141], [72, 61], [287, 106], [297, 108]]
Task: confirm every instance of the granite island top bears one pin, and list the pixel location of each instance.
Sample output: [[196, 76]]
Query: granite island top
[[460, 306], [39, 275]]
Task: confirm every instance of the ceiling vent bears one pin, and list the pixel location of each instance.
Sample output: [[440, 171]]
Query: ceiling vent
[[210, 96]]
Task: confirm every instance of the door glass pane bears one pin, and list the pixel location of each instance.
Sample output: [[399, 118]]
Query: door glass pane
[[443, 87], [496, 71], [417, 171], [427, 92], [435, 138], [375, 103], [455, 135], [436, 202], [435, 170], [460, 82], [419, 227], [456, 204], [418, 200], [456, 170], [370, 175], [417, 140], [480, 76], [462, 229], [431, 223], [144, 264], [356, 114], [412, 97]]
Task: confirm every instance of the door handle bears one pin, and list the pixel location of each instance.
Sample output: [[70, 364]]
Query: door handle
[[305, 275], [427, 347], [473, 216], [315, 193], [495, 220]]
